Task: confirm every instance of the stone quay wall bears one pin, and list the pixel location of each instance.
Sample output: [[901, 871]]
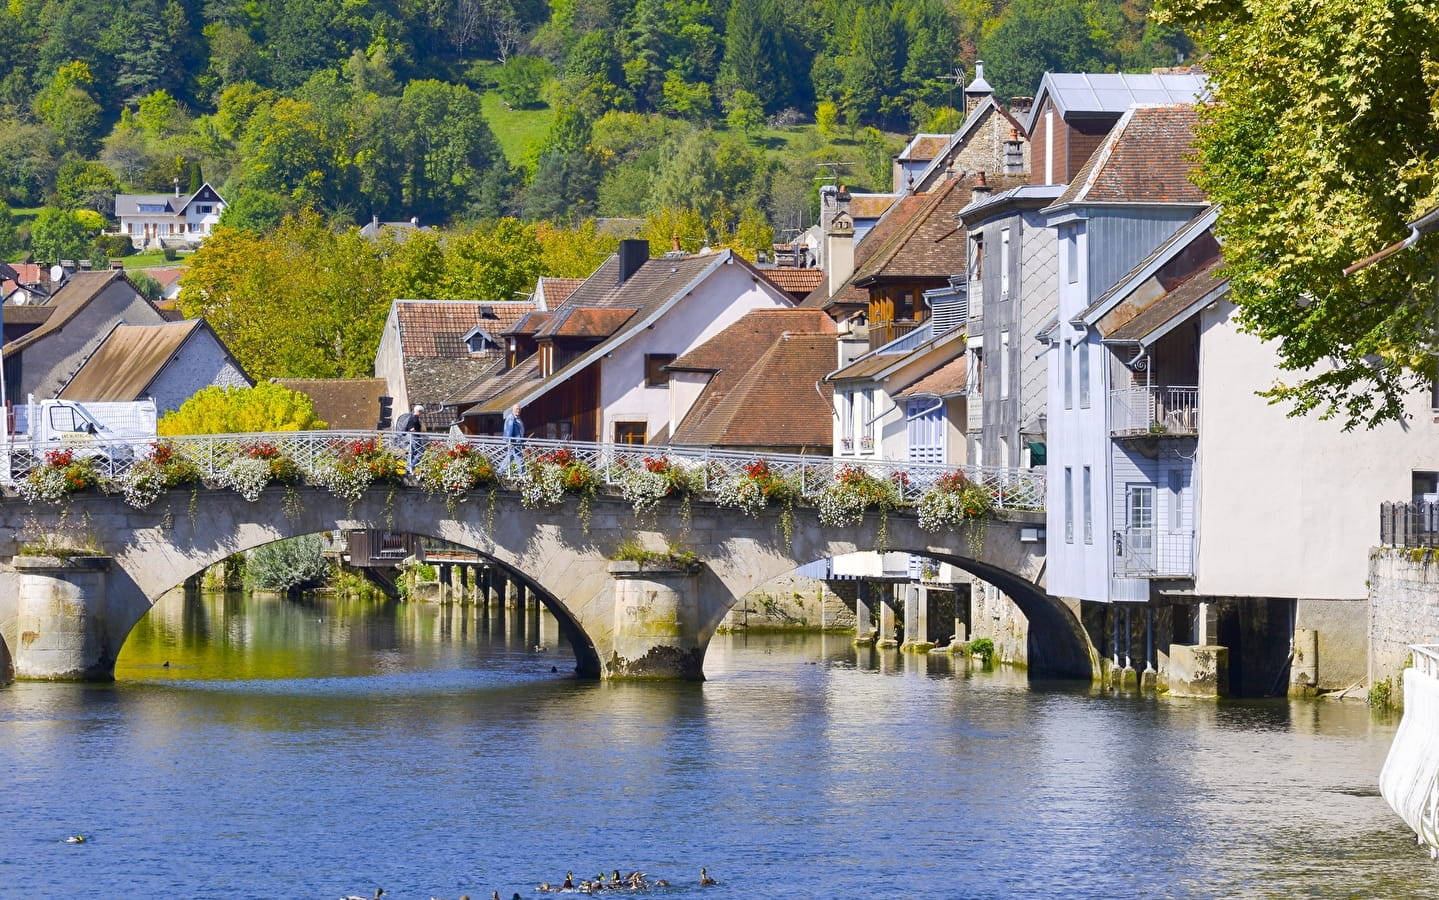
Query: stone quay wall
[[1403, 609]]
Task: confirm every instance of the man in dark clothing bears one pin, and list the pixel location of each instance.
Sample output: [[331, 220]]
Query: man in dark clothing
[[410, 422]]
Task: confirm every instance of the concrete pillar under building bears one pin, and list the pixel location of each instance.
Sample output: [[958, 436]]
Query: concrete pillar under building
[[916, 618], [1206, 624], [1304, 668], [863, 628], [886, 622]]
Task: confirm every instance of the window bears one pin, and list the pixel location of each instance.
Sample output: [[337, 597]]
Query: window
[[1004, 263], [865, 414], [1088, 505], [655, 374], [1071, 256], [629, 432], [1068, 505], [1176, 501], [1084, 375], [203, 209], [1004, 364], [1066, 360], [846, 421], [1140, 505], [1434, 394]]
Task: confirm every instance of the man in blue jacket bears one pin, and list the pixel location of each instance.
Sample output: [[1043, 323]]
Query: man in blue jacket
[[514, 431]]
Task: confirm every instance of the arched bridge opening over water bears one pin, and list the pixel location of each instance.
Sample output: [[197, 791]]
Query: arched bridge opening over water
[[69, 618]]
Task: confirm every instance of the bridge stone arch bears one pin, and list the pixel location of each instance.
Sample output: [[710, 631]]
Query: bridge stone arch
[[620, 624]]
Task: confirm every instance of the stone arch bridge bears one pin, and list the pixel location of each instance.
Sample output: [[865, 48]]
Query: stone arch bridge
[[69, 618]]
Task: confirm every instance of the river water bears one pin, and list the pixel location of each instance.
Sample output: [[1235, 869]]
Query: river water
[[314, 749]]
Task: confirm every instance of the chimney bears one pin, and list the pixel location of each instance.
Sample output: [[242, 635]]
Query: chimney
[[675, 244], [1019, 107], [839, 244], [176, 180], [977, 91], [633, 253], [980, 189], [1014, 154]]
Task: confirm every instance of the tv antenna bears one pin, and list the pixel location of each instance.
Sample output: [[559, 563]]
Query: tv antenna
[[955, 79], [832, 171]]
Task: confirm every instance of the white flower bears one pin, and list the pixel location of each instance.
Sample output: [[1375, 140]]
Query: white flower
[[741, 492], [940, 509], [247, 476], [542, 484], [645, 489], [43, 483], [143, 484]]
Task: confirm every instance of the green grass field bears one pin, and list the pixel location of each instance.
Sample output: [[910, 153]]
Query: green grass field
[[517, 130], [152, 260]]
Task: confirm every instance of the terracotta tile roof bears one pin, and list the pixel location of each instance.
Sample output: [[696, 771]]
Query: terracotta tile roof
[[798, 283], [1147, 158], [925, 146], [437, 328], [930, 243], [737, 347], [585, 322], [894, 220], [656, 282], [166, 276], [128, 360], [771, 403], [870, 206], [343, 403], [558, 290], [947, 380], [530, 323]]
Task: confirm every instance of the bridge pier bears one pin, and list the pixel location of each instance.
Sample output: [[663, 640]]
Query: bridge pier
[[61, 619], [656, 624]]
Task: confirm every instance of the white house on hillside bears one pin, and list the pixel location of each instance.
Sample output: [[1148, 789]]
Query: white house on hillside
[[169, 220]]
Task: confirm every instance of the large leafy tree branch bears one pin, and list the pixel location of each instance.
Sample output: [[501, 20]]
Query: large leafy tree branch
[[1321, 142]]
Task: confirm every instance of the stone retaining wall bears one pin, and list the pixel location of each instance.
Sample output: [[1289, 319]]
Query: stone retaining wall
[[1403, 609]]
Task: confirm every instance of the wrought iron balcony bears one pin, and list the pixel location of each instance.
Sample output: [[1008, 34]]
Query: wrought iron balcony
[[1158, 410], [1153, 553]]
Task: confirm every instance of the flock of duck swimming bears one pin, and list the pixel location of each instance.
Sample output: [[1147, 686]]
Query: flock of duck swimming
[[635, 881]]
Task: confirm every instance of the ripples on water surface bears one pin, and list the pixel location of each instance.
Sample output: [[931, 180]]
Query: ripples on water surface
[[314, 750]]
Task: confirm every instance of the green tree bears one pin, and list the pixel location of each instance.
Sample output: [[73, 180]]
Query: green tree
[[9, 238], [267, 406], [69, 108], [746, 114], [59, 234], [1319, 146], [86, 185], [289, 565], [1037, 36], [520, 79], [254, 210]]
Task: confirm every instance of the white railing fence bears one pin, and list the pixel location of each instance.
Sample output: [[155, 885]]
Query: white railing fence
[[1165, 409], [316, 451]]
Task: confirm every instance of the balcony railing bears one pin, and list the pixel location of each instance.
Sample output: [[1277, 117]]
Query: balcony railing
[[1147, 553], [1409, 524], [1154, 410]]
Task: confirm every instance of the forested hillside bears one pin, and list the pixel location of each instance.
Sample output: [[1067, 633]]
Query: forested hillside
[[356, 108]]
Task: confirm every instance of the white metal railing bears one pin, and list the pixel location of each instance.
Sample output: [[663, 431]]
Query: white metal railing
[[1426, 659], [1151, 553], [315, 451], [1145, 409]]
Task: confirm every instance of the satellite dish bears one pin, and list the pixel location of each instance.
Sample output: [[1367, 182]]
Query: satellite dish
[[56, 273], [21, 298]]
